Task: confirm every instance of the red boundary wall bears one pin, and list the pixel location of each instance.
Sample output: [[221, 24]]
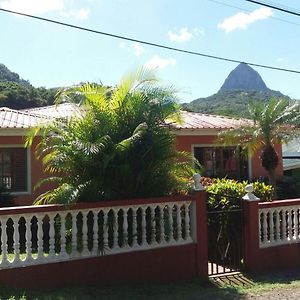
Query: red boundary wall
[[168, 264], [271, 258]]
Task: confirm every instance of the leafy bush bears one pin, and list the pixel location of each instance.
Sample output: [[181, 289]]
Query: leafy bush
[[227, 193]]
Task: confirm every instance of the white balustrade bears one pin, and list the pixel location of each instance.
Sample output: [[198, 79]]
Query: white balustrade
[[39, 238], [279, 226]]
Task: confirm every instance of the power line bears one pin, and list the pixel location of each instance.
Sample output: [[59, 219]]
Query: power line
[[248, 10], [270, 5], [149, 43]]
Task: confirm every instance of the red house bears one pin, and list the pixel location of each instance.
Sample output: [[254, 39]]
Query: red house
[[20, 170]]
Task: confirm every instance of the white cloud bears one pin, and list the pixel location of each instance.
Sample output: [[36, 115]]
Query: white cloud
[[182, 36], [156, 62], [243, 20], [38, 7], [280, 59], [33, 6], [199, 31], [122, 45], [81, 14], [138, 49]]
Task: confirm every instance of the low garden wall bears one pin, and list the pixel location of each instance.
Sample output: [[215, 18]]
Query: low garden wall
[[159, 239], [272, 235]]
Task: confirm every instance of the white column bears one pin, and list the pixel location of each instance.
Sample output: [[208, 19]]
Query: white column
[[51, 236], [144, 236], [179, 224], [85, 250], [162, 224], [134, 226], [16, 239], [28, 237], [170, 219], [74, 251], [40, 236], [95, 232], [63, 251], [4, 261]]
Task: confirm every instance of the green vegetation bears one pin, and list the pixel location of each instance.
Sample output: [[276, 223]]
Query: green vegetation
[[232, 103], [17, 93], [271, 125], [119, 149], [227, 193], [280, 284]]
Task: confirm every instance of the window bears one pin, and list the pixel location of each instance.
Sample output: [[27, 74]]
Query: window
[[221, 162], [13, 169]]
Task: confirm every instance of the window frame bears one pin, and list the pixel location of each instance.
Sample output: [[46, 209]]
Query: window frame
[[249, 160], [28, 164]]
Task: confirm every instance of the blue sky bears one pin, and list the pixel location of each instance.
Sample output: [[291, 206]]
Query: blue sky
[[50, 55]]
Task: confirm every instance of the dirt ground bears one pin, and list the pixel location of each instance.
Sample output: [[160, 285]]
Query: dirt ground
[[276, 294]]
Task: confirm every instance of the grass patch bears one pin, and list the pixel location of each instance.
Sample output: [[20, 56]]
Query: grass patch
[[238, 287]]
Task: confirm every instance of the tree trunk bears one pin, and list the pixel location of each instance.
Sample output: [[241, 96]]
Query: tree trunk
[[272, 178]]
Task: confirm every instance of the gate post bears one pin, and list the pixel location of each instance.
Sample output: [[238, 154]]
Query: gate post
[[199, 225], [251, 229]]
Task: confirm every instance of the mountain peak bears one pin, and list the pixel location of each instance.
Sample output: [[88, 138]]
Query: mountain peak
[[243, 77]]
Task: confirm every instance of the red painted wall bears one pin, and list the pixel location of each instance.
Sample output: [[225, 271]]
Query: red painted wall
[[159, 265], [168, 264], [36, 171], [271, 258], [184, 143]]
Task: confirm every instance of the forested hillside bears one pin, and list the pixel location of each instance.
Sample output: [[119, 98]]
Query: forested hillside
[[18, 93]]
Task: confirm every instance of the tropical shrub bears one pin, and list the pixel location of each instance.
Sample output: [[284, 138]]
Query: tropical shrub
[[227, 193], [121, 148]]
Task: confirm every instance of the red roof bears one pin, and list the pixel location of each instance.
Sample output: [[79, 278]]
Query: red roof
[[191, 120], [10, 118]]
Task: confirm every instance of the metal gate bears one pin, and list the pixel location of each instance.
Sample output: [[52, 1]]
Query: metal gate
[[225, 237]]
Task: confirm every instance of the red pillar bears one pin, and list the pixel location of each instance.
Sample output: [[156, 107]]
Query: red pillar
[[201, 234], [251, 235]]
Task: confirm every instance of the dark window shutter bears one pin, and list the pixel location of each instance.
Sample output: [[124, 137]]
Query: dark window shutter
[[20, 170]]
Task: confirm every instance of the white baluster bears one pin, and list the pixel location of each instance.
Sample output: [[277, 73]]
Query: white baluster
[[28, 237], [296, 224], [16, 239], [74, 251], [178, 223], [51, 236], [162, 224], [153, 226], [170, 213], [95, 232], [277, 226], [283, 228], [40, 253], [125, 228], [187, 222], [115, 231], [259, 229], [4, 261], [134, 226], [265, 227], [63, 251], [105, 229], [85, 250], [290, 225], [143, 226], [271, 227]]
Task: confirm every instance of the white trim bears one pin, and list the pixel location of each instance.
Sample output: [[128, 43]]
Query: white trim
[[28, 165], [14, 131]]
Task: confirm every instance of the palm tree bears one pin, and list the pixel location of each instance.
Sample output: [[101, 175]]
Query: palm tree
[[119, 149], [270, 124]]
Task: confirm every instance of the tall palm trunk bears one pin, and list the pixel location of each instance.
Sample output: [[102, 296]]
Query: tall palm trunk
[[272, 178]]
